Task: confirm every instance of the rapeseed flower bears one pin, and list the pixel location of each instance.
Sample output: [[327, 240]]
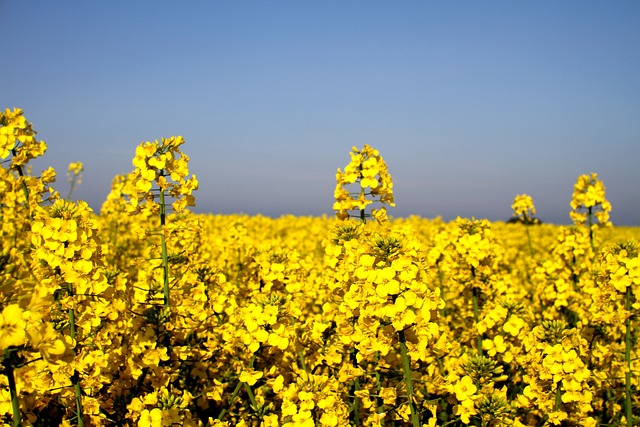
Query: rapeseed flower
[[589, 195], [369, 172], [12, 327], [523, 208]]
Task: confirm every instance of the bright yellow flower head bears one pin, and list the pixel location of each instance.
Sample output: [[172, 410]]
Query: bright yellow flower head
[[163, 164], [589, 195], [152, 418], [368, 170], [523, 207], [17, 137], [75, 168], [12, 327]]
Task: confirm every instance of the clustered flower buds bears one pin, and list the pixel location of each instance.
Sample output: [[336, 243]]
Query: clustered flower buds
[[588, 196], [523, 209], [17, 137], [162, 163], [369, 172]]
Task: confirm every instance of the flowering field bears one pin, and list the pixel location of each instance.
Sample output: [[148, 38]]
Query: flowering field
[[147, 314]]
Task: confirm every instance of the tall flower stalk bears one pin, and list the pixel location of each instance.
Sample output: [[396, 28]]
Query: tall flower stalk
[[365, 181], [18, 140], [385, 288], [162, 163], [74, 173], [524, 211], [70, 258], [589, 204]]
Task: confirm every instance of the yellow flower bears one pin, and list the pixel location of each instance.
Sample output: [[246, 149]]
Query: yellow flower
[[368, 169], [589, 194], [156, 162], [12, 327], [523, 208], [51, 344], [151, 418], [497, 345], [465, 388], [250, 376], [557, 417], [388, 395], [75, 168], [18, 138], [513, 325]]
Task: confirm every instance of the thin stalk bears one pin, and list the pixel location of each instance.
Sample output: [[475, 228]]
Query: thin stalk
[[301, 360], [556, 404], [15, 404], [378, 388], [529, 239], [235, 392], [252, 397], [475, 318], [75, 379], [408, 381], [72, 186], [165, 262], [231, 400], [627, 358], [362, 213], [355, 386], [590, 225]]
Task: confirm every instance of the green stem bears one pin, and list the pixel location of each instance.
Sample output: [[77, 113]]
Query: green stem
[[590, 224], [379, 388], [355, 403], [75, 379], [165, 262], [232, 399], [627, 358], [408, 381], [15, 404], [303, 365], [72, 187], [529, 240], [252, 397], [362, 213], [476, 319], [556, 404]]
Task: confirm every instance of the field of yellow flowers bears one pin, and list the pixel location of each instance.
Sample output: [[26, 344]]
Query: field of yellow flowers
[[146, 314]]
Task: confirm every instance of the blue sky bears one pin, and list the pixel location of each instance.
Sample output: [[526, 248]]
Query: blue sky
[[470, 103]]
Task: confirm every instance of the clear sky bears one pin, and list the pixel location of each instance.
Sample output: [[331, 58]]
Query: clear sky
[[469, 102]]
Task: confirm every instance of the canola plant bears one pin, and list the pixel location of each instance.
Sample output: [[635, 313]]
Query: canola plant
[[146, 314]]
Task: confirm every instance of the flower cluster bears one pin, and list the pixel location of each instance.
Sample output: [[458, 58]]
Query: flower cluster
[[368, 171], [18, 190], [17, 137], [163, 163], [589, 195], [74, 173], [523, 209], [65, 241]]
